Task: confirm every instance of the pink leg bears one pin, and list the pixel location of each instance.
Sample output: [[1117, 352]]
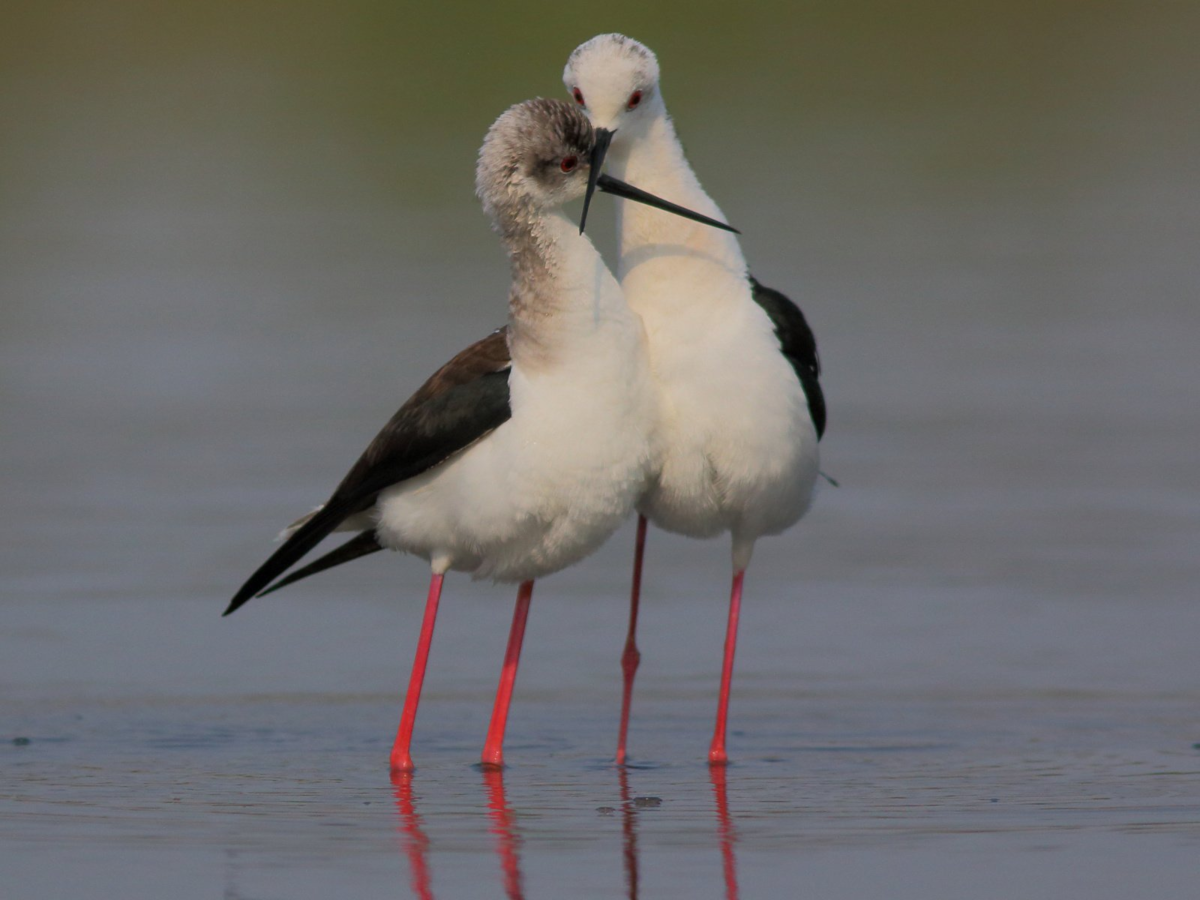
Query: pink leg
[[401, 759], [716, 751], [631, 657], [493, 747]]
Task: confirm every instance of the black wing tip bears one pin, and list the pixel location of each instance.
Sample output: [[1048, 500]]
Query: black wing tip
[[245, 593], [362, 544], [300, 542]]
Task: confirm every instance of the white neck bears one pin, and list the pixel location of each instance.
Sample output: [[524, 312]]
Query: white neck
[[652, 159]]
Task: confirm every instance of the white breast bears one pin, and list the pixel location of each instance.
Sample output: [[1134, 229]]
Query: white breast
[[548, 486], [739, 445]]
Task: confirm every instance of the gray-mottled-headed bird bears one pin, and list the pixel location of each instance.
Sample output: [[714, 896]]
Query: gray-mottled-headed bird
[[524, 452]]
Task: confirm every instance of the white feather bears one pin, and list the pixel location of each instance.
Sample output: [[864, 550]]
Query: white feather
[[739, 444]]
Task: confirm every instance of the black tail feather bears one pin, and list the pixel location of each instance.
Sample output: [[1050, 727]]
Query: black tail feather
[[361, 544], [304, 539]]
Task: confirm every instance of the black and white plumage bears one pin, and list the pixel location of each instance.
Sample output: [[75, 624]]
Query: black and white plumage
[[478, 378], [460, 403]]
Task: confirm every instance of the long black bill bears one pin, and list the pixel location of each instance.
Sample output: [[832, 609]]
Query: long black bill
[[599, 151], [618, 188]]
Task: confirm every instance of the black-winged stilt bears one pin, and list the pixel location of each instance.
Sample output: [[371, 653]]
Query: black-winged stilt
[[734, 363], [522, 454]]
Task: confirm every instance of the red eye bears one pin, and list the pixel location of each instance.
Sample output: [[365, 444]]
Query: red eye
[[569, 163], [634, 99], [578, 94]]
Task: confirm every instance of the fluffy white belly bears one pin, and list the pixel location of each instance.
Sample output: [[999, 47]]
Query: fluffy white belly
[[541, 492], [739, 446], [735, 479]]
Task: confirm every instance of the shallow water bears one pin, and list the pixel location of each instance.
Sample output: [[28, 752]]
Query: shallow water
[[900, 743], [835, 790], [971, 671]]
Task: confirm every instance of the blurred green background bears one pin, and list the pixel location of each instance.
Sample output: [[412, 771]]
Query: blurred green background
[[800, 117], [222, 108]]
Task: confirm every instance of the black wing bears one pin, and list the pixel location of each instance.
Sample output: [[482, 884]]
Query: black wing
[[464, 400], [363, 544], [798, 344]]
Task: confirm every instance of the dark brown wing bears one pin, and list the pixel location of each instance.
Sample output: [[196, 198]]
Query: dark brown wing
[[460, 403], [798, 343]]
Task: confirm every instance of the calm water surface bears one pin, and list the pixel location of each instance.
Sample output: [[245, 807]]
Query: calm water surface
[[227, 253]]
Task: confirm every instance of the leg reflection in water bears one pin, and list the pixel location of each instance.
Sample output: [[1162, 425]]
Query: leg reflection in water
[[629, 834], [726, 836], [416, 844], [508, 842]]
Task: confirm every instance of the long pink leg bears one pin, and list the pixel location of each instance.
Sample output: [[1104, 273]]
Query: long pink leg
[[631, 657], [716, 751], [493, 747], [401, 759]]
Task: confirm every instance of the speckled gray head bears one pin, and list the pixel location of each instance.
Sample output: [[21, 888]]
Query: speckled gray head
[[536, 154]]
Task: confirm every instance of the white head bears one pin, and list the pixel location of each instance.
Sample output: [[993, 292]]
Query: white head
[[614, 79]]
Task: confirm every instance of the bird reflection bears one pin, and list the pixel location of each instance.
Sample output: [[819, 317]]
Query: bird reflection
[[416, 844], [508, 842], [508, 839], [726, 835]]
